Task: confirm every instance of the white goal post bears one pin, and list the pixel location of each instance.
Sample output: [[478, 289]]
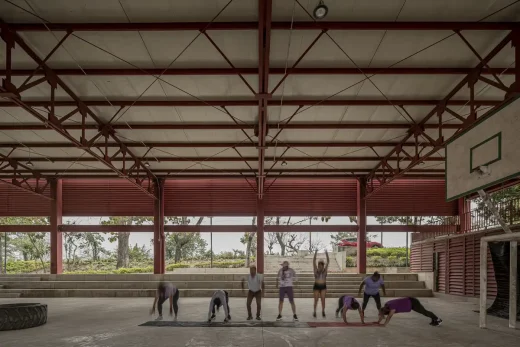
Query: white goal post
[[513, 242]]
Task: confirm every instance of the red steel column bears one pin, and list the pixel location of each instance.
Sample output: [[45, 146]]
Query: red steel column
[[158, 231], [464, 215], [260, 236], [362, 227], [56, 221]]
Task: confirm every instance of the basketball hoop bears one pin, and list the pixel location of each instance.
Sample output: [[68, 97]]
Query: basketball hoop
[[482, 171]]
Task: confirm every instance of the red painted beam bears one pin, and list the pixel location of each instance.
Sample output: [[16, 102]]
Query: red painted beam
[[271, 102], [298, 25], [272, 71], [205, 144], [327, 228], [172, 172], [217, 159], [230, 126], [55, 220], [300, 176]]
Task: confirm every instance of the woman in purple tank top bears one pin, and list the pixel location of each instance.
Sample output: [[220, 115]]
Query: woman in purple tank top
[[404, 305]]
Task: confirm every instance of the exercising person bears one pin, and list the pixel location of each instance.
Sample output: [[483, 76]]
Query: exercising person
[[372, 285], [346, 303], [285, 277], [255, 283], [404, 305], [164, 292], [219, 298], [320, 282]]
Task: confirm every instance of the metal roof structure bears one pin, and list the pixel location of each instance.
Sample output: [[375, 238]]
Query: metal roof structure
[[247, 88]]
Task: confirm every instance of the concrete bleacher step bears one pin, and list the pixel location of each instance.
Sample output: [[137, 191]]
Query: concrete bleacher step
[[192, 285], [91, 293]]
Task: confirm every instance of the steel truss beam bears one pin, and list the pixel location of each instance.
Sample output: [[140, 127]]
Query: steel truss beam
[[299, 25], [138, 174], [219, 171], [221, 176], [230, 126], [218, 159], [353, 144], [251, 102], [263, 96], [254, 71], [416, 131], [15, 168]]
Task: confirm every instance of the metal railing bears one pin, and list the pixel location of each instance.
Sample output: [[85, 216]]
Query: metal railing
[[478, 219]]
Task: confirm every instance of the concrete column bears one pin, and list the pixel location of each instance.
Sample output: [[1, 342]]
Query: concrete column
[[158, 231], [56, 221], [260, 236], [362, 227]]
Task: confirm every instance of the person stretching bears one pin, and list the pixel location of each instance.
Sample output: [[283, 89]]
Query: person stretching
[[372, 285], [285, 277], [219, 298], [404, 305], [255, 283], [320, 282], [345, 303], [164, 292]]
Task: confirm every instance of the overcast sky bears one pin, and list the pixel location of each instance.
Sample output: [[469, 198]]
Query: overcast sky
[[229, 241]]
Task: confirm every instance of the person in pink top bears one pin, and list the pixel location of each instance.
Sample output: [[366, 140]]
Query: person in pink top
[[405, 305], [346, 303]]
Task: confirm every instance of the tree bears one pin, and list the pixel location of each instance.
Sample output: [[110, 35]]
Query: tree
[[94, 245], [123, 238], [72, 242], [139, 254], [184, 245], [249, 240], [271, 241], [508, 210]]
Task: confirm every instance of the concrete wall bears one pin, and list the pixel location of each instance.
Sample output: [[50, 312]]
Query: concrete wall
[[341, 258], [428, 279], [382, 270]]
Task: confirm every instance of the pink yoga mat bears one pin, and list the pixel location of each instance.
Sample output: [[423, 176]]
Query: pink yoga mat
[[340, 325]]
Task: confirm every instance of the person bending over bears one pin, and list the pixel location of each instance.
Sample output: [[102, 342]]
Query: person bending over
[[285, 278], [372, 285], [219, 298], [164, 292], [255, 283], [404, 305], [346, 303], [320, 282]]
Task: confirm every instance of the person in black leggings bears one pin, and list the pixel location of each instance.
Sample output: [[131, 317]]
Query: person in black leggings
[[404, 305], [164, 292], [372, 285]]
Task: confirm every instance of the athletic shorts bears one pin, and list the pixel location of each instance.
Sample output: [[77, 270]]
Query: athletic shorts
[[320, 286], [286, 291]]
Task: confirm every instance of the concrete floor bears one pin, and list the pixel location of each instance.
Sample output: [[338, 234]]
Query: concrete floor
[[105, 322]]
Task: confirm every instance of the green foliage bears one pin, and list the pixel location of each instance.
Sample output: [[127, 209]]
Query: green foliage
[[221, 264], [172, 267], [138, 254], [29, 266], [387, 252], [350, 262]]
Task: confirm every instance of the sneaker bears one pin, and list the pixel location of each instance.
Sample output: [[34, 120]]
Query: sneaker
[[337, 314], [439, 321], [295, 317], [314, 314], [323, 314], [279, 317], [249, 317], [258, 318], [159, 318], [213, 317], [175, 319]]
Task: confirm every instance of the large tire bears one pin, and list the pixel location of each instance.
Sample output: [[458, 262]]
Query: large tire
[[22, 316]]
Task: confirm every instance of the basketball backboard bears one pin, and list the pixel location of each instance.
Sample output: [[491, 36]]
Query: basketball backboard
[[486, 153]]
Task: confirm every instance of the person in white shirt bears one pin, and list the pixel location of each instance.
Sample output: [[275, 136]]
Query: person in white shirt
[[255, 283], [285, 277], [219, 298], [164, 292]]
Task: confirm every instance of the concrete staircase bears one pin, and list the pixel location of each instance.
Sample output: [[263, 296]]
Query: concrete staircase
[[192, 285], [298, 263]]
